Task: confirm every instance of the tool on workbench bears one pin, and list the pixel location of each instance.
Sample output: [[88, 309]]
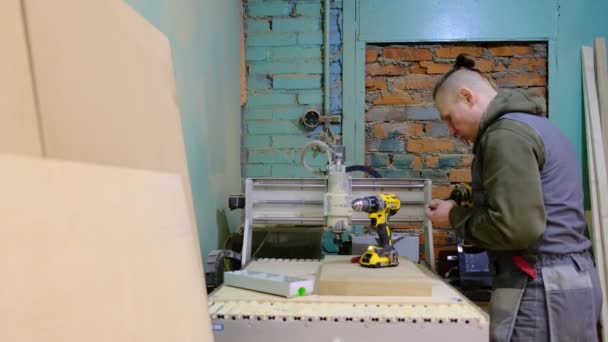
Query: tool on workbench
[[379, 209], [462, 194], [473, 262]]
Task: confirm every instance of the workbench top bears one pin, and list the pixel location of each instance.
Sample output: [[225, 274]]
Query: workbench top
[[445, 303]]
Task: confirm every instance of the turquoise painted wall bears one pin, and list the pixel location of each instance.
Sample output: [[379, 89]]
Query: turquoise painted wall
[[579, 23], [566, 25], [205, 38], [284, 58]]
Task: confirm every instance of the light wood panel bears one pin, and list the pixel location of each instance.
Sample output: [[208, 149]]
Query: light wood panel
[[92, 253], [338, 276], [105, 83], [18, 117], [598, 178], [104, 79], [601, 77]]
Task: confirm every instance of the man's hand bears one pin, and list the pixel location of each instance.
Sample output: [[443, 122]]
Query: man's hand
[[438, 211]]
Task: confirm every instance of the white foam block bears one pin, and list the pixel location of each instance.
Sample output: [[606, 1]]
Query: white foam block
[[277, 284]]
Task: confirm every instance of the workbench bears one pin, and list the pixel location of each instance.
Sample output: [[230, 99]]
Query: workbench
[[243, 315]]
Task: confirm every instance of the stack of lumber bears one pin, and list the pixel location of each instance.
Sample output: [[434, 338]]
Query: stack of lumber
[[595, 85]]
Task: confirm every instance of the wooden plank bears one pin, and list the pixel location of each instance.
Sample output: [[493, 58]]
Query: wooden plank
[[96, 253], [338, 276], [601, 76], [441, 292], [594, 219], [598, 178], [19, 131], [105, 84]]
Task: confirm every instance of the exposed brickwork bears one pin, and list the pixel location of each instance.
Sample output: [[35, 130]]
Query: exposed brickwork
[[460, 175], [413, 82], [371, 55], [398, 98], [453, 51], [408, 54], [430, 145], [510, 50], [521, 80], [405, 136], [284, 66], [434, 67], [441, 191], [378, 83], [376, 69]]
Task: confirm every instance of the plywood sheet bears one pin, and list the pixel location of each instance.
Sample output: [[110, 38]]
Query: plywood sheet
[[19, 131], [105, 85], [92, 253], [338, 276], [104, 80]]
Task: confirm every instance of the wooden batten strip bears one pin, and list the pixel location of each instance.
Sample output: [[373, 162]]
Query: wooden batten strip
[[601, 77], [598, 178]]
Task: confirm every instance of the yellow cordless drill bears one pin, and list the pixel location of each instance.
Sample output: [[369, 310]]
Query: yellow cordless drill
[[379, 208], [463, 195]]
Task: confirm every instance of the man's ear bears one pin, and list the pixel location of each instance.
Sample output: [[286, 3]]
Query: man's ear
[[467, 95]]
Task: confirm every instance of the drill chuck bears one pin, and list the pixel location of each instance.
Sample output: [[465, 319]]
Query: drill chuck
[[462, 194], [368, 204]]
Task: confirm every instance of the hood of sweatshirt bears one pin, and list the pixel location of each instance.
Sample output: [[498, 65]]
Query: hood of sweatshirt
[[511, 101]]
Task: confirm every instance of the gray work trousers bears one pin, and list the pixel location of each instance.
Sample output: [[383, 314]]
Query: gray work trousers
[[563, 302]]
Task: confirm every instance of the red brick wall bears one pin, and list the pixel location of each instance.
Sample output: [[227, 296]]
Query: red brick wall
[[405, 137]]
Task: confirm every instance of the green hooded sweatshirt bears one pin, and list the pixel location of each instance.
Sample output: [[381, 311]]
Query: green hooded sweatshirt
[[509, 212]]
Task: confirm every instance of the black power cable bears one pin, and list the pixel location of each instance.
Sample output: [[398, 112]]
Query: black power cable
[[365, 169]]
